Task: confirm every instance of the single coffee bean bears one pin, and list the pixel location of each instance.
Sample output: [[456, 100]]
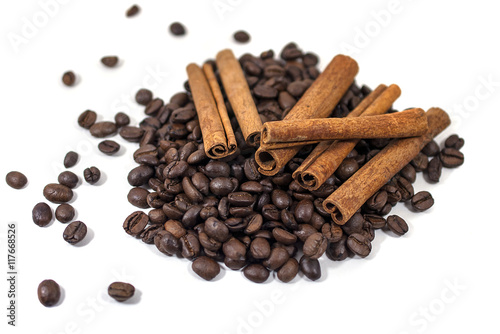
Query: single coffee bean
[[57, 193], [157, 216], [143, 96], [109, 61], [49, 293], [87, 119], [422, 201], [175, 227], [431, 149], [451, 157], [359, 244], [92, 175], [420, 162], [16, 180], [376, 220], [304, 211], [346, 169], [122, 119], [251, 170], [234, 249], [332, 232], [138, 197], [265, 92], [68, 179], [315, 245], [241, 36], [296, 88], [166, 243], [281, 199], [132, 134], [216, 230], [206, 268], [135, 223], [240, 198], [256, 273], [289, 220], [103, 129], [454, 141], [337, 251], [140, 175], [190, 246], [121, 291], [147, 236], [42, 214], [354, 224], [221, 186], [175, 169], [434, 169], [75, 232], [260, 248], [108, 147], [409, 172], [288, 271], [65, 213], [405, 188], [69, 78], [70, 159], [177, 29], [397, 225], [132, 11], [283, 236], [310, 267], [377, 201], [304, 231], [278, 257]]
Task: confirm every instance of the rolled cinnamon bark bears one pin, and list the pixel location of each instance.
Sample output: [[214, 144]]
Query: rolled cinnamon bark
[[317, 102], [324, 160], [215, 140], [407, 123], [238, 94], [353, 193]]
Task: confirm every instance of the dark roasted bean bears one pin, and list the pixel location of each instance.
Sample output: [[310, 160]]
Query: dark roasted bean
[[49, 293], [75, 232], [315, 245], [166, 243], [68, 179], [397, 225], [359, 244], [422, 201], [16, 180], [87, 119], [143, 96], [70, 159], [288, 271], [69, 78], [376, 220], [256, 273], [451, 157], [131, 133], [420, 162], [206, 268], [92, 175], [132, 11], [310, 268], [109, 61], [121, 291], [138, 197], [103, 129], [57, 193], [454, 141], [108, 147], [260, 249], [65, 213], [431, 149], [42, 214], [177, 29], [409, 172], [434, 169]]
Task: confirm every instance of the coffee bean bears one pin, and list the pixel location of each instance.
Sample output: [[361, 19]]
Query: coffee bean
[[68, 179], [57, 193], [304, 231], [451, 157], [103, 129], [354, 224], [153, 107], [16, 180], [49, 293], [69, 78], [240, 198], [283, 236], [70, 159], [216, 230], [121, 291], [337, 251], [143, 96], [376, 220], [310, 59], [289, 220], [175, 169], [420, 162], [397, 225], [241, 36], [422, 201], [166, 243], [138, 197], [288, 271], [260, 248], [409, 172], [140, 175], [315, 245], [177, 29], [256, 273], [296, 88], [133, 11], [346, 169], [108, 147], [65, 213], [277, 258], [281, 199], [404, 186], [122, 119], [332, 232], [310, 267], [234, 249], [206, 268], [454, 141], [42, 214], [109, 61], [190, 246], [431, 149], [92, 175], [251, 170], [434, 169], [132, 134], [75, 232], [147, 236], [135, 223], [377, 201], [359, 244], [87, 119]]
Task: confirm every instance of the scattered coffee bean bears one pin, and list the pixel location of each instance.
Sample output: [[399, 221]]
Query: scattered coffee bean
[[422, 201], [206, 268], [87, 119], [256, 273], [69, 78], [103, 129], [359, 244], [310, 268], [49, 293], [70, 159], [177, 29], [143, 96], [42, 214], [65, 213], [92, 175], [75, 232], [57, 193], [120, 291], [133, 11], [109, 61], [454, 141], [451, 157], [108, 147], [68, 179], [16, 180], [241, 36], [434, 169], [397, 225], [288, 271], [122, 119]]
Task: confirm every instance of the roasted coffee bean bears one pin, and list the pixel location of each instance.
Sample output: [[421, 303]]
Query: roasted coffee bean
[[304, 211], [235, 224], [69, 78], [65, 213], [87, 119], [206, 268], [282, 179], [68, 179], [223, 208], [92, 175], [122, 119], [289, 220], [310, 268], [420, 162], [241, 36], [138, 197], [109, 61], [354, 224], [359, 244], [234, 249], [153, 107], [108, 147], [454, 141], [240, 198], [131, 133], [234, 264], [317, 221], [405, 188], [337, 251], [304, 231], [208, 243], [283, 236], [377, 201], [265, 92], [221, 186], [315, 245], [310, 59], [251, 170], [135, 223], [140, 175], [177, 29], [186, 150], [16, 180], [173, 186], [281, 199], [49, 293], [332, 232], [277, 258], [451, 157], [409, 172], [241, 211], [201, 182], [197, 157], [70, 159], [288, 271], [147, 236], [397, 225], [143, 96], [296, 88], [256, 273], [175, 169], [42, 214], [175, 227], [216, 229], [376, 220], [346, 169], [166, 243], [132, 11], [121, 291], [103, 129], [252, 187], [190, 246], [157, 216], [183, 115], [434, 169], [75, 232], [260, 248], [254, 224], [267, 185], [431, 149], [194, 195], [57, 193], [393, 194], [217, 169], [208, 211], [422, 201]]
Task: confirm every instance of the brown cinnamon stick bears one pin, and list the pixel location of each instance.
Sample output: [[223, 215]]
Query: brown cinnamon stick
[[353, 193], [317, 102], [407, 123], [238, 94], [218, 137], [327, 156]]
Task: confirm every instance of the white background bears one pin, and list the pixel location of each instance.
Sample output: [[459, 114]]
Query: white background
[[439, 53]]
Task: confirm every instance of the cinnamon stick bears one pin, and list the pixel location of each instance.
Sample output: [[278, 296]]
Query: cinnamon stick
[[317, 102], [407, 123], [218, 137], [353, 193], [238, 94], [327, 156]]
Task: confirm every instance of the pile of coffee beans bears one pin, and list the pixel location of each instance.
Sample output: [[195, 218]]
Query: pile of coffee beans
[[225, 211]]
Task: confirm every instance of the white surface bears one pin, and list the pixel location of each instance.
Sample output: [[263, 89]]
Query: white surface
[[439, 53]]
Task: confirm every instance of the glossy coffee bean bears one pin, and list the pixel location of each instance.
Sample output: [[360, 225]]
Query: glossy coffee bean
[[103, 129], [422, 201], [397, 225], [310, 268], [49, 293], [16, 180], [454, 141], [315, 245], [42, 214], [451, 157], [70, 159], [359, 244], [260, 248], [256, 273], [75, 232], [277, 258], [92, 175], [68, 179], [121, 291], [65, 213], [288, 271], [206, 268], [87, 119], [57, 193], [434, 169], [166, 243], [108, 147]]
